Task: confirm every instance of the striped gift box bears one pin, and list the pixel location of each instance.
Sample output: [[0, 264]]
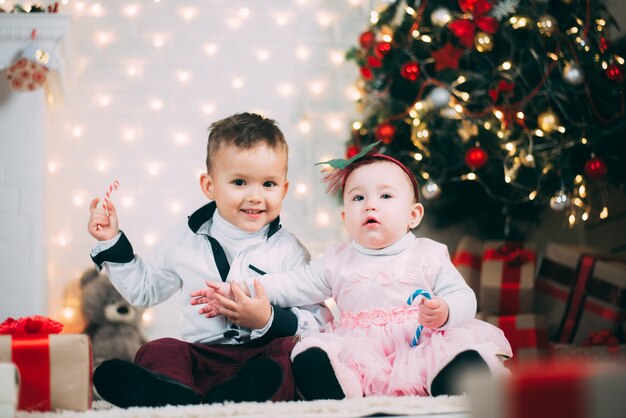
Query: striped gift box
[[507, 278]]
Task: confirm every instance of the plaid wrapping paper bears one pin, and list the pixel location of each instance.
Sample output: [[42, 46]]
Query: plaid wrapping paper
[[467, 259], [62, 380], [526, 333], [549, 389], [595, 353], [581, 291], [507, 278]]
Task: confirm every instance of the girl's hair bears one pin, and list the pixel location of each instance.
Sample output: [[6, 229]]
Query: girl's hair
[[374, 158], [244, 131]]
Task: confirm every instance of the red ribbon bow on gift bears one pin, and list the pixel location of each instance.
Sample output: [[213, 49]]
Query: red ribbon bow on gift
[[514, 254], [604, 337], [30, 325]]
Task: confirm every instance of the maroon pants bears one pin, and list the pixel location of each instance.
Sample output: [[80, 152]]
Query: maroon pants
[[203, 366]]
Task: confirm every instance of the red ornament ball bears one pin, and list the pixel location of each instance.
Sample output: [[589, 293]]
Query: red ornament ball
[[366, 73], [367, 39], [351, 151], [595, 168], [382, 48], [385, 133], [374, 62], [603, 44], [615, 73], [476, 158], [410, 71]]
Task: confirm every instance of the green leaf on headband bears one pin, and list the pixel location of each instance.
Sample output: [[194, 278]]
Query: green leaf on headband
[[340, 163]]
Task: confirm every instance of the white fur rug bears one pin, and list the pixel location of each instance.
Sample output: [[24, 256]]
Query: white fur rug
[[319, 409]]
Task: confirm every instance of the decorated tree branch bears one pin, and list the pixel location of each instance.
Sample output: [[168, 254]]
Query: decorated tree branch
[[503, 108]]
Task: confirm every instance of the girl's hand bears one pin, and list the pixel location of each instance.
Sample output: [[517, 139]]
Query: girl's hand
[[433, 313], [101, 226], [206, 297]]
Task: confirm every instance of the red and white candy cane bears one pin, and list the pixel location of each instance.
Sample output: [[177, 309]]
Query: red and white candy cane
[[112, 187]]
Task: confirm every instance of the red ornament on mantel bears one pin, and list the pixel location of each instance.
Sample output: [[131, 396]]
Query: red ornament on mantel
[[476, 158], [410, 71], [366, 39], [385, 133], [595, 168], [615, 73]]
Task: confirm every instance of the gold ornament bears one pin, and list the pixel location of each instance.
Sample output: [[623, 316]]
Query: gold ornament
[[483, 42], [546, 25], [387, 33], [548, 121], [467, 130]]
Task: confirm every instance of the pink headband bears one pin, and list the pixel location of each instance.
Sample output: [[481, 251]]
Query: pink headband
[[339, 169], [381, 157]]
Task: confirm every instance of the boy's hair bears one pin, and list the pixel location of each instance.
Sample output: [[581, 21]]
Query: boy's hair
[[244, 131]]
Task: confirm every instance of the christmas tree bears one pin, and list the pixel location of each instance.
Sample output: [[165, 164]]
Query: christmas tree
[[504, 109]]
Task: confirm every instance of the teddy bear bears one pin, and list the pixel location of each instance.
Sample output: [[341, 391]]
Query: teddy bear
[[110, 321]]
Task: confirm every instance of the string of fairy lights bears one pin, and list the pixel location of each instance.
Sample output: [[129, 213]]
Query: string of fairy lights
[[523, 142]]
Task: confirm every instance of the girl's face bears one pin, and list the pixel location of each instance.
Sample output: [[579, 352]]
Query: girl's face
[[379, 205]]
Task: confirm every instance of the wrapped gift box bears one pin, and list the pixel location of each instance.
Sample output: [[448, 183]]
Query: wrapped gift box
[[593, 353], [467, 259], [581, 291], [549, 389], [526, 333], [55, 370], [8, 389], [507, 278]]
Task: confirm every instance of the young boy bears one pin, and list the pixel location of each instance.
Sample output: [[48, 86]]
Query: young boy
[[238, 234]]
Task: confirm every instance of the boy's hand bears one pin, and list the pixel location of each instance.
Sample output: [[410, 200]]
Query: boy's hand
[[433, 313], [253, 313], [235, 303], [101, 226]]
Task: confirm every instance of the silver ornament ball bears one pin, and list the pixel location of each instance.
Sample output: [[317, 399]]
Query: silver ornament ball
[[430, 190], [560, 201], [573, 74], [440, 16], [439, 97]]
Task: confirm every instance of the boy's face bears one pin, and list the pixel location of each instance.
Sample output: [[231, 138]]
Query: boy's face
[[379, 206], [248, 186]]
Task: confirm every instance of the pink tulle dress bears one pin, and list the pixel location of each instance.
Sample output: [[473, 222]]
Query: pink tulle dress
[[369, 345]]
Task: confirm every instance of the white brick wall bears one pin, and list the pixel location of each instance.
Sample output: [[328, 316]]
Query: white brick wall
[[22, 242]]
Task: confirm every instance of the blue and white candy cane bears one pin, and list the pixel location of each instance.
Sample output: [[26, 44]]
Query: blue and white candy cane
[[418, 331]]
